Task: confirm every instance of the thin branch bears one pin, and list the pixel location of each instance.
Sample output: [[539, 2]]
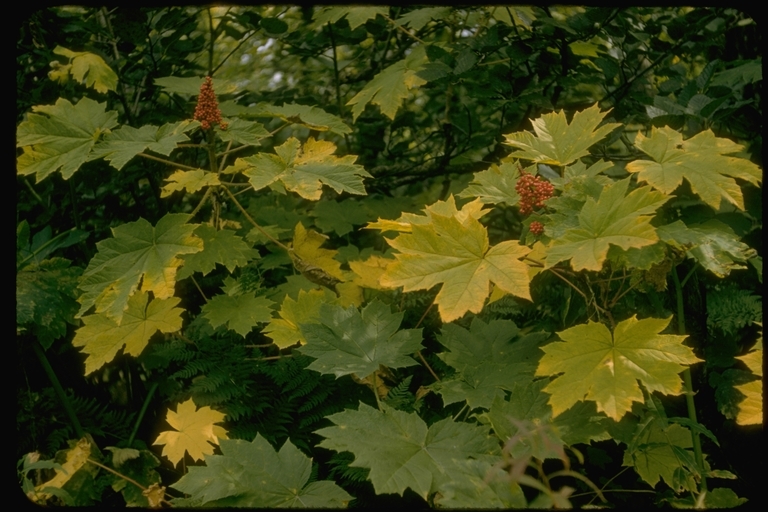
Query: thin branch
[[402, 29], [127, 479], [169, 162], [202, 201], [424, 315], [418, 352], [242, 40], [578, 290], [198, 288], [250, 219], [270, 358]]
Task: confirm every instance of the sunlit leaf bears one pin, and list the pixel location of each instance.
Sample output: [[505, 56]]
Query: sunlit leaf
[[495, 185], [244, 132], [356, 15], [195, 431], [241, 313], [221, 247], [91, 68], [191, 181], [657, 454], [120, 146], [284, 331]]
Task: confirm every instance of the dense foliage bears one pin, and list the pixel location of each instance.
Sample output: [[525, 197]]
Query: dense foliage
[[350, 256]]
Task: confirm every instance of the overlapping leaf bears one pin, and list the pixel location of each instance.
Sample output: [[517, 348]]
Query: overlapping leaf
[[101, 337], [313, 118], [255, 475], [402, 452], [481, 486], [119, 146], [316, 264], [487, 360], [191, 181], [751, 408], [195, 430], [304, 169], [284, 331], [346, 341], [89, 67], [356, 15], [389, 88], [556, 141], [61, 139], [604, 367], [241, 312], [446, 208], [702, 160], [137, 253], [614, 219], [495, 185], [662, 453], [245, 132], [454, 250], [221, 246]]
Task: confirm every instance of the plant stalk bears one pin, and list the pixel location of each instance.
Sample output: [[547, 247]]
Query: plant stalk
[[59, 390]]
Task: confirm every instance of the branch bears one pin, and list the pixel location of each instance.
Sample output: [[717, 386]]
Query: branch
[[169, 162], [255, 224], [127, 479]]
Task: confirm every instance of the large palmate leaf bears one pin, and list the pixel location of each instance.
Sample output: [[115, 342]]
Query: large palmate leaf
[[346, 341], [119, 146], [402, 452], [454, 250], [245, 132], [702, 160], [751, 408], [284, 331], [101, 337], [389, 88], [313, 118], [495, 185], [356, 15], [255, 475], [487, 360], [191, 181], [481, 486], [614, 219], [304, 169], [340, 217], [446, 208], [558, 143], [89, 67], [661, 452], [240, 313], [62, 138], [220, 246], [195, 430], [604, 367], [137, 253], [316, 264]]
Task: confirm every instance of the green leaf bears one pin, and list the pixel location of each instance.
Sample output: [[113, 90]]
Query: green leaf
[[42, 245], [191, 181], [356, 16], [137, 254], [62, 138], [747, 73], [305, 170], [191, 85], [614, 219], [389, 88], [248, 133], [92, 68], [420, 17], [558, 143], [339, 216], [723, 498], [255, 475], [495, 185], [346, 341], [655, 457], [101, 337], [604, 367], [285, 331], [401, 452], [119, 146], [481, 486], [487, 360], [454, 250], [313, 118], [219, 246], [702, 160], [241, 313]]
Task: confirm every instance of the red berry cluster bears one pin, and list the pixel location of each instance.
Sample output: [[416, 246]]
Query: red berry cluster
[[207, 109], [536, 228], [533, 192]]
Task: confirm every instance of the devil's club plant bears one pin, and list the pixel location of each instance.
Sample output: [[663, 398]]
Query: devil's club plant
[[455, 339]]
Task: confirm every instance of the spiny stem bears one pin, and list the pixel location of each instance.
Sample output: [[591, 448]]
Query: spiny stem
[[250, 219]]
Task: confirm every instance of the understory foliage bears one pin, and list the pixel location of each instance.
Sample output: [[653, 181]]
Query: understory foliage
[[477, 257]]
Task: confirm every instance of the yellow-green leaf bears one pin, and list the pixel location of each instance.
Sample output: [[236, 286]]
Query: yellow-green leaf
[[192, 181], [751, 409], [222, 247], [91, 68], [557, 142], [241, 312], [316, 264], [702, 160], [101, 337], [495, 185], [77, 457], [195, 430], [284, 331], [120, 146], [605, 367]]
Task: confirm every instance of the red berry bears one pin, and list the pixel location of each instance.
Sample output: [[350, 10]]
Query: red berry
[[207, 109], [536, 228]]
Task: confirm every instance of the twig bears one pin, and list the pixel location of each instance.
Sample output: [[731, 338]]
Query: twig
[[198, 288], [169, 162], [427, 365], [402, 29], [202, 201], [250, 219], [127, 479], [424, 315]]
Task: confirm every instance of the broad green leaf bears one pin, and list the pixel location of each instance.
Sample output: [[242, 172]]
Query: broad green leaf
[[339, 216], [556, 141], [101, 337], [244, 132], [604, 367], [481, 486], [305, 170], [346, 341], [255, 475], [91, 68], [402, 452], [241, 313], [487, 360], [221, 246], [137, 253], [313, 118], [389, 88], [191, 181], [723, 498], [191, 85], [614, 219], [43, 243], [659, 453], [119, 146], [62, 138], [702, 160], [420, 17], [356, 15], [495, 185], [46, 298], [195, 430], [284, 331], [454, 250], [749, 72], [316, 264]]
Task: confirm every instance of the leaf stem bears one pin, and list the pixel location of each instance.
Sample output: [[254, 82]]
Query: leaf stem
[[169, 162], [59, 390], [376, 391], [202, 201], [427, 365], [120, 475], [143, 411], [198, 288], [402, 29], [250, 219]]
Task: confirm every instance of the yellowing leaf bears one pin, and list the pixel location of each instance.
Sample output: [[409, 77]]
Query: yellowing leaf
[[316, 264], [558, 143], [454, 250], [751, 409], [368, 272], [101, 337], [77, 456], [447, 208], [195, 430], [596, 365], [285, 331], [614, 219], [92, 68], [389, 88], [350, 294], [495, 185], [702, 160], [754, 358], [138, 253], [304, 170], [192, 181]]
